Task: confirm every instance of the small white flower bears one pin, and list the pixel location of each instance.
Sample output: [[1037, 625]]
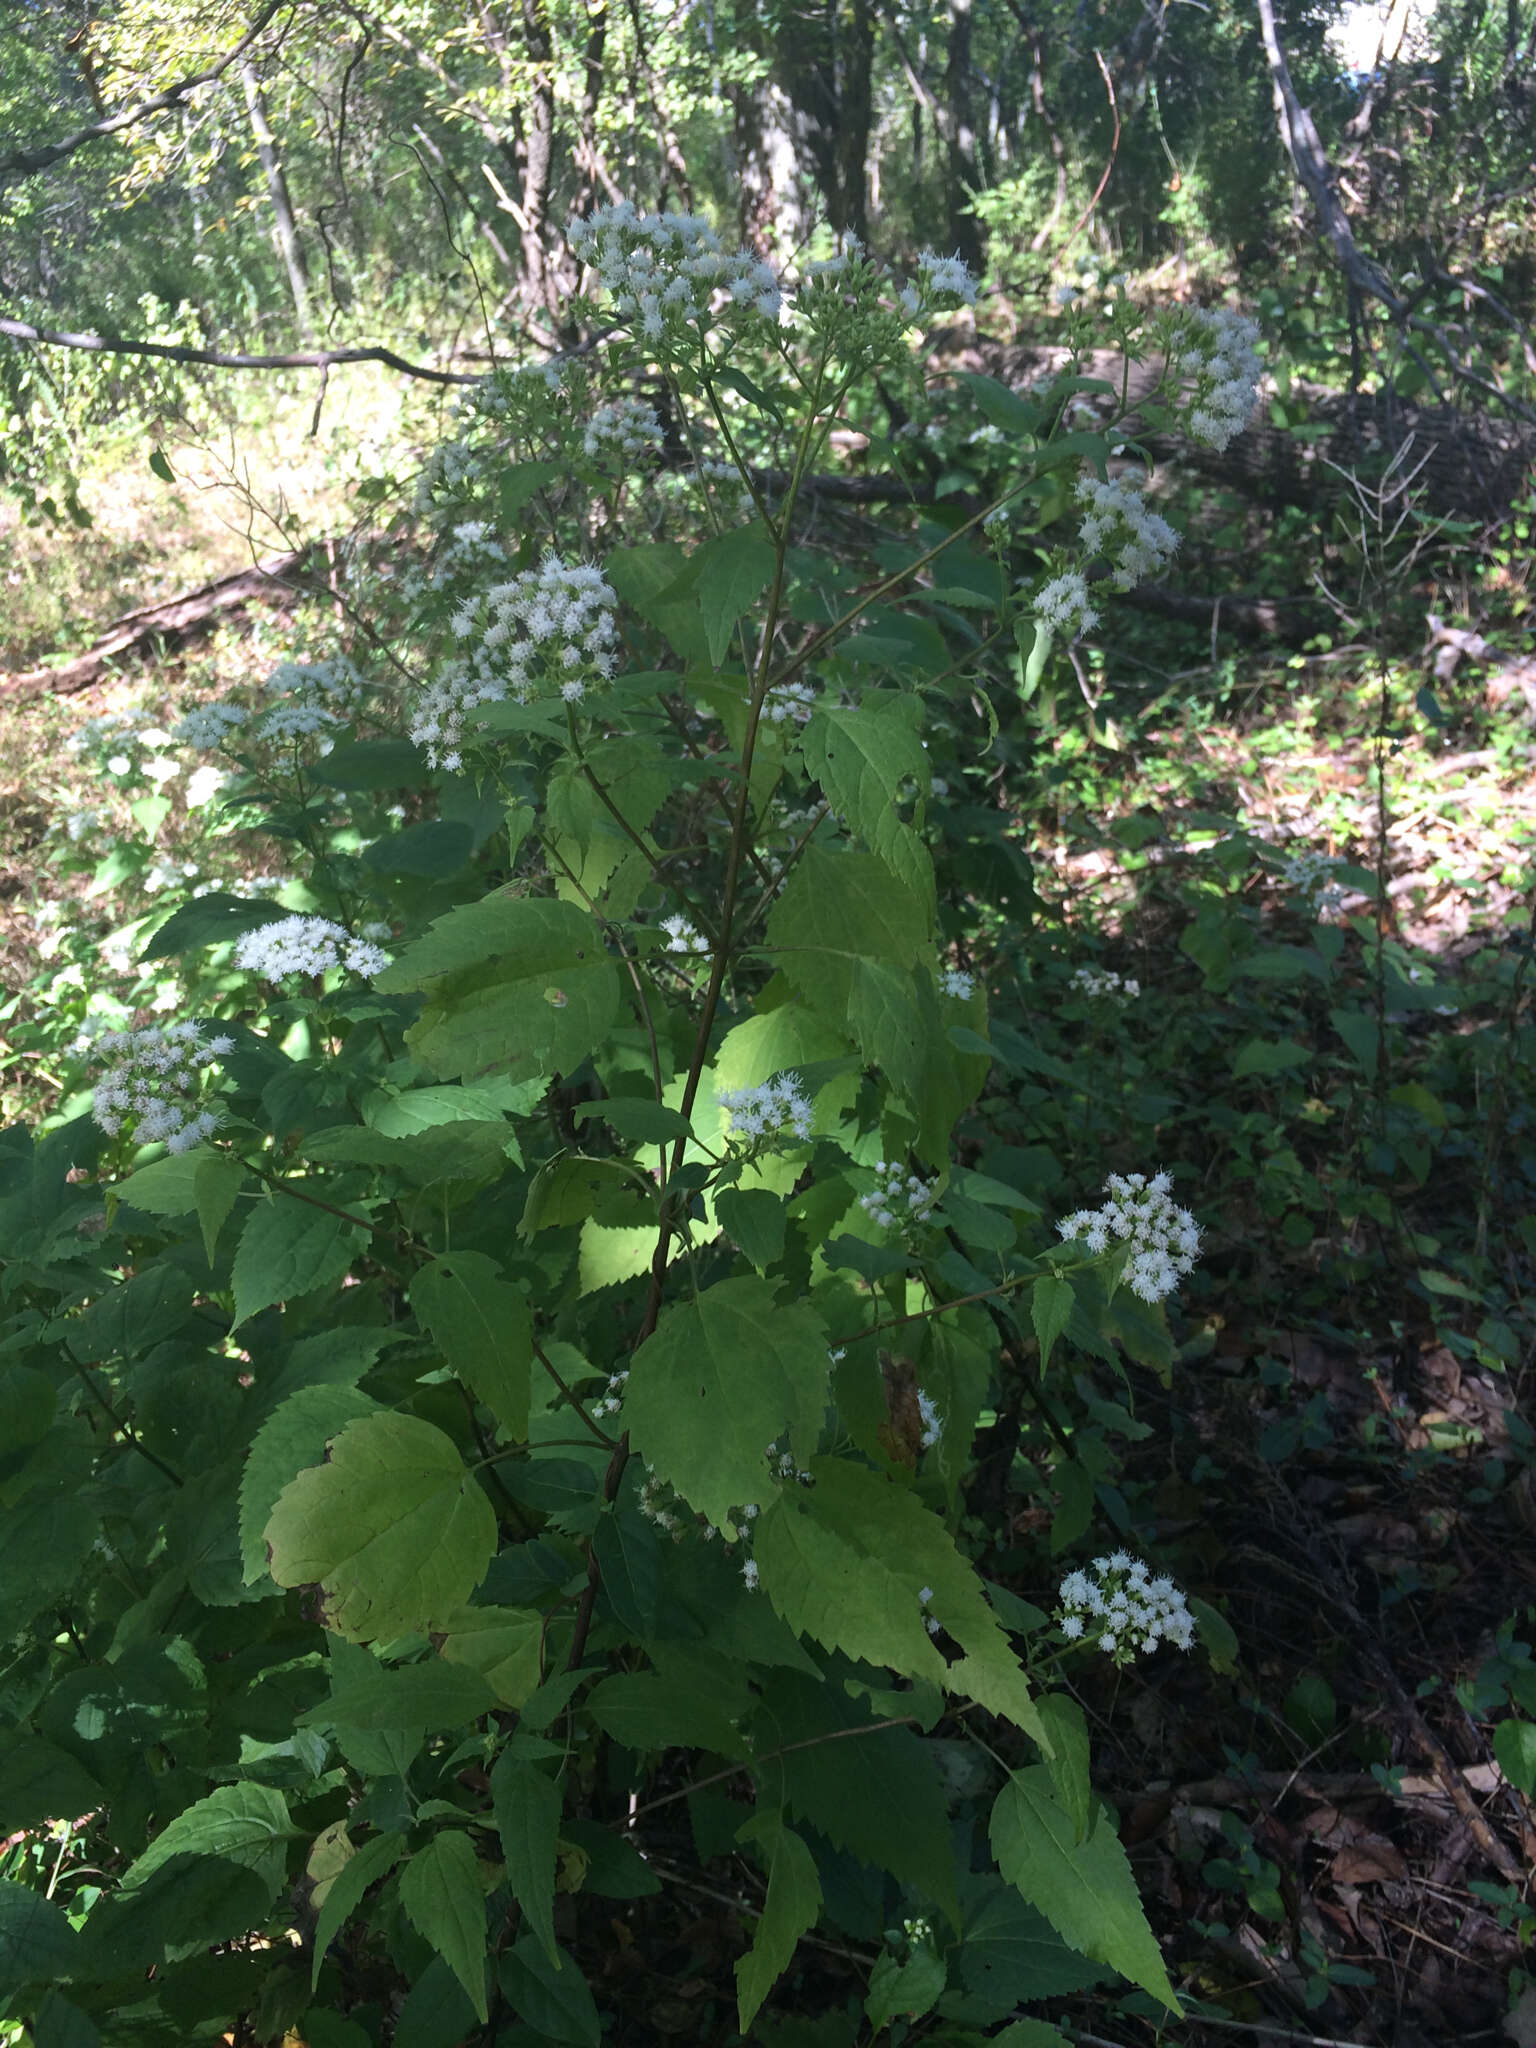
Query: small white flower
[[774, 1112], [1104, 985], [898, 1201], [954, 981], [1063, 605], [306, 945], [1134, 1612], [682, 937], [1164, 1239]]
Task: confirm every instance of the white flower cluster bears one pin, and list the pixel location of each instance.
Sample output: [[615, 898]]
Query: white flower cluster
[[1220, 365], [80, 824], [899, 1200], [946, 277], [207, 726], [306, 945], [1103, 984], [111, 729], [930, 1621], [1063, 605], [551, 626], [1120, 524], [612, 1399], [627, 428], [665, 271], [954, 981], [296, 721], [682, 937], [658, 1503], [1313, 875], [1119, 1605], [152, 1080], [1164, 1239], [790, 701], [776, 1110]]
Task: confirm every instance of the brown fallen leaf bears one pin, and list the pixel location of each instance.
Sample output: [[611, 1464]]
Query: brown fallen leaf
[[1368, 1863]]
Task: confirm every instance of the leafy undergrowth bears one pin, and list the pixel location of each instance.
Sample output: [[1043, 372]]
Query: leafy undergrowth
[[1268, 928]]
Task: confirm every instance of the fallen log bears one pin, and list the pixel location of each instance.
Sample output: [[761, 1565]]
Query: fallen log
[[168, 624]]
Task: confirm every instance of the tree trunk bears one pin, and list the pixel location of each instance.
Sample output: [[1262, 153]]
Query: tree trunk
[[538, 154], [287, 234], [825, 69], [960, 138]]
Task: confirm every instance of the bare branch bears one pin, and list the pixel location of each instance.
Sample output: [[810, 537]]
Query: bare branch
[[27, 161], [220, 359]]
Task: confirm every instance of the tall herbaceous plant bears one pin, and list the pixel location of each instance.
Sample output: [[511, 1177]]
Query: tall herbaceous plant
[[490, 1388]]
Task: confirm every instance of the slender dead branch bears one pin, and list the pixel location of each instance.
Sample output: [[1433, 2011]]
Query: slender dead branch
[[26, 161], [221, 359]]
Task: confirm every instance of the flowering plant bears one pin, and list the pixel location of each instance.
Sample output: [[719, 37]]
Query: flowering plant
[[552, 1341]]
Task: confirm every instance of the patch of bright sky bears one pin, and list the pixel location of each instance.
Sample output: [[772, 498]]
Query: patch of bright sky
[[1392, 28]]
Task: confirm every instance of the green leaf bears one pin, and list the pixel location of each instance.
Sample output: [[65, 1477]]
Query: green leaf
[[903, 1990], [212, 920], [1000, 406], [1031, 2034], [643, 576], [838, 909], [202, 1181], [160, 467], [371, 764], [627, 1550], [1085, 1889], [37, 1943], [292, 1438], [1064, 1721], [719, 1381], [1217, 1636], [1268, 1056], [504, 1644], [755, 1219], [726, 576], [59, 2024], [440, 1890], [346, 1890], [789, 1910], [633, 1117], [894, 1015], [394, 1530], [1358, 1029], [877, 1793], [557, 2003], [40, 1783], [526, 1802], [1010, 1955], [523, 984], [289, 1249], [481, 1325], [243, 1824], [44, 1541], [432, 848], [647, 1712], [426, 1696], [864, 760], [1514, 1749], [845, 1560], [1050, 1308]]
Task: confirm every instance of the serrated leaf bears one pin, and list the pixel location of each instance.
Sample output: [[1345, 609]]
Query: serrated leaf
[[203, 1181], [481, 1325], [37, 1943], [903, 1990], [1085, 1889], [504, 1644], [426, 1696], [838, 909], [721, 1379], [519, 983], [1064, 1721], [243, 1824], [791, 1908], [556, 2002], [865, 759], [373, 1861], [1050, 1308], [292, 1438], [726, 576], [394, 1530], [209, 921], [845, 1560], [289, 1249], [526, 1802], [39, 1782], [440, 1890], [648, 1712]]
